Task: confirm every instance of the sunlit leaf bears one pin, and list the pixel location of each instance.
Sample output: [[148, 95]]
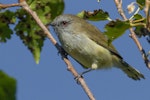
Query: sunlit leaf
[[47, 10], [30, 34], [96, 15], [115, 29], [28, 30]]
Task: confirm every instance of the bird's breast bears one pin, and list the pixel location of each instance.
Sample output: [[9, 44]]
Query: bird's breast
[[85, 50]]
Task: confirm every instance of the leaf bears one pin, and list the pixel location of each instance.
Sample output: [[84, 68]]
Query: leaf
[[30, 34], [6, 18], [5, 32], [141, 3], [47, 10], [138, 20], [115, 29], [27, 29], [141, 31], [137, 16], [96, 15], [7, 87]]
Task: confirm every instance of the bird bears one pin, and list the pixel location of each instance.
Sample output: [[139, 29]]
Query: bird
[[89, 46]]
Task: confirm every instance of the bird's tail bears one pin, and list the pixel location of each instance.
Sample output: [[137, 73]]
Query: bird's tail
[[130, 71]]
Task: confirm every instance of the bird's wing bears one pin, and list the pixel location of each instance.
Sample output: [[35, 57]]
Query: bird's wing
[[101, 40], [94, 34]]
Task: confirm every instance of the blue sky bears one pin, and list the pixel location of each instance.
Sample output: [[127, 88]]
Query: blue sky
[[50, 80]]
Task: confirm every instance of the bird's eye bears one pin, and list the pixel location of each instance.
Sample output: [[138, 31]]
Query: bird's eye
[[64, 23]]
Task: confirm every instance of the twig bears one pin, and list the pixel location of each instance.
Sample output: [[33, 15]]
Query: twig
[[135, 13], [147, 9], [119, 7], [9, 5], [25, 6], [146, 60], [132, 35]]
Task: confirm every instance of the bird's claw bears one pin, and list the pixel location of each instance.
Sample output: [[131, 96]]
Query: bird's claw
[[77, 78], [61, 51], [81, 75]]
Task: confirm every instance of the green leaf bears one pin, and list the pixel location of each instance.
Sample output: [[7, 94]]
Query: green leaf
[[30, 34], [7, 87], [115, 29], [96, 15], [5, 32], [47, 10], [137, 16], [140, 30], [138, 20], [6, 18], [28, 30], [141, 3]]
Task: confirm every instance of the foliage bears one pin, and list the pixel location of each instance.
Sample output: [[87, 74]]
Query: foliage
[[6, 18], [113, 29], [141, 3], [32, 36], [116, 28], [7, 87], [96, 15], [26, 28]]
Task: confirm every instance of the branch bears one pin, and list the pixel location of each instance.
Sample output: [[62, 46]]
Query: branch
[[8, 5], [120, 10], [25, 6], [147, 6], [132, 35]]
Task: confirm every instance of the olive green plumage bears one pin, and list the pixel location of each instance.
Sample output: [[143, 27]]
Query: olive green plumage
[[88, 46]]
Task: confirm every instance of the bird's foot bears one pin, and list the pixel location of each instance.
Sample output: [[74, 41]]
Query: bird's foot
[[61, 51], [81, 75], [77, 78]]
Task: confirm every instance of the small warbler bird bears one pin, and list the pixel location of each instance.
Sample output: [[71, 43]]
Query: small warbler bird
[[88, 46]]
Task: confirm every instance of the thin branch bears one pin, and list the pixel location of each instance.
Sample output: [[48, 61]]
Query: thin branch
[[66, 60], [135, 13], [137, 24], [147, 9], [120, 10], [38, 21], [132, 35], [8, 5], [138, 20], [146, 60]]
